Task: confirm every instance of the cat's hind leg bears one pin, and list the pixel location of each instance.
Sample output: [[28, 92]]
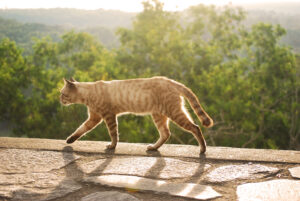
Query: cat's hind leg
[[182, 119], [112, 126], [162, 125]]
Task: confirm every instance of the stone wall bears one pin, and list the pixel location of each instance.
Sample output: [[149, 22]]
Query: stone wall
[[40, 169]]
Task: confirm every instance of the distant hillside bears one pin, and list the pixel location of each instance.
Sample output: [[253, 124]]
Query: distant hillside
[[289, 8], [23, 33], [103, 23], [71, 17], [285, 14], [23, 24]]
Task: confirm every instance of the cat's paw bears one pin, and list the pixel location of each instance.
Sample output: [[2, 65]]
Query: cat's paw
[[202, 150], [71, 139], [150, 147], [110, 146]]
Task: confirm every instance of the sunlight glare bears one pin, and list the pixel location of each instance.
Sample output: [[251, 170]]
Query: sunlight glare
[[128, 6]]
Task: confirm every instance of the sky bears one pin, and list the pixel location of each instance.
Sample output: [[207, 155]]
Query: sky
[[124, 5]]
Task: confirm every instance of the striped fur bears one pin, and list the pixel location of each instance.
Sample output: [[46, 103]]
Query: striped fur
[[159, 96]]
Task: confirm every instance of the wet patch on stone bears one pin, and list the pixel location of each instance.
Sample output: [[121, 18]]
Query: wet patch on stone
[[109, 196], [187, 190], [281, 189], [235, 172], [164, 168], [295, 172]]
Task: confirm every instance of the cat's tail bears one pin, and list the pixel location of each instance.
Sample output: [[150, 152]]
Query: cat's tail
[[194, 102]]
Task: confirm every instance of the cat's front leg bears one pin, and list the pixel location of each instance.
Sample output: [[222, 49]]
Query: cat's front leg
[[112, 127], [87, 126]]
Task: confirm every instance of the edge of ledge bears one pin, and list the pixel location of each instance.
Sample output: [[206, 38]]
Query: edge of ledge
[[167, 150]]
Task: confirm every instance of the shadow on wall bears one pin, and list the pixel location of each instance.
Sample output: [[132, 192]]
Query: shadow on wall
[[74, 173]]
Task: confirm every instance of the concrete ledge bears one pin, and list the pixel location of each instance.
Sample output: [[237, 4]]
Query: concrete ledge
[[167, 150]]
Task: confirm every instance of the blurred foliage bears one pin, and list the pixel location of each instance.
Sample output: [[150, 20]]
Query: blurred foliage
[[244, 78]]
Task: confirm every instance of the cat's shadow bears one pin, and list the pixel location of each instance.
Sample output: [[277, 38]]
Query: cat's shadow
[[75, 174], [160, 164]]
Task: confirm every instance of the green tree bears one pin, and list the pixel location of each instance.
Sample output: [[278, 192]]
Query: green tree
[[78, 55], [14, 78], [242, 77], [155, 45], [273, 80]]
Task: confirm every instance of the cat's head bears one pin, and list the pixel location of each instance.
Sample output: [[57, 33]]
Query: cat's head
[[69, 92]]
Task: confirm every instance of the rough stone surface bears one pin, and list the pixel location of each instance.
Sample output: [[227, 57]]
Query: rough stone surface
[[281, 189], [26, 174], [188, 190], [295, 172], [165, 168], [42, 169], [109, 196], [47, 189], [137, 149], [233, 172], [7, 191], [22, 160]]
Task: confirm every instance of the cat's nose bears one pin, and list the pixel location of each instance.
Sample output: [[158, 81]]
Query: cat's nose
[[61, 99]]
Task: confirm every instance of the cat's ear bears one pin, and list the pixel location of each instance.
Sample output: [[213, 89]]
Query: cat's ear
[[72, 79], [66, 81], [69, 83]]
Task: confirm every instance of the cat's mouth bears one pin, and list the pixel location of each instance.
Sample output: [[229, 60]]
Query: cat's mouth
[[64, 102]]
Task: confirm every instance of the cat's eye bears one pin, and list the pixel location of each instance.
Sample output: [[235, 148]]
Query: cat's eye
[[64, 95]]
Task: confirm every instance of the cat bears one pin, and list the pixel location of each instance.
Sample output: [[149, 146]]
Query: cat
[[158, 96]]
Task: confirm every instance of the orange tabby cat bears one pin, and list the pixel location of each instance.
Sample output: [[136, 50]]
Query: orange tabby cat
[[159, 96]]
